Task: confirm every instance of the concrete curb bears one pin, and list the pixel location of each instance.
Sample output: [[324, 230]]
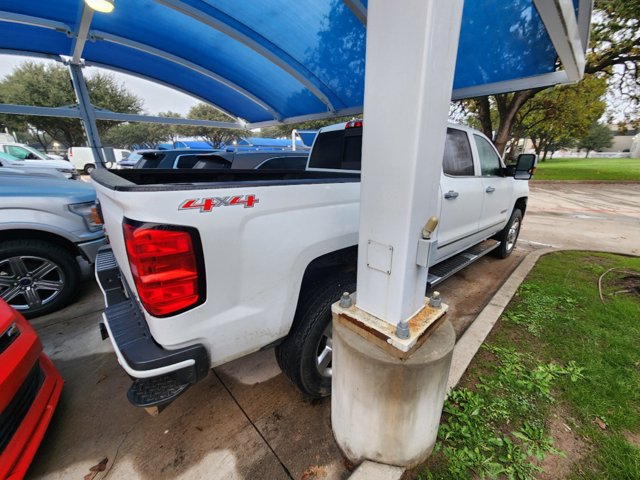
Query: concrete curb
[[464, 352], [469, 344]]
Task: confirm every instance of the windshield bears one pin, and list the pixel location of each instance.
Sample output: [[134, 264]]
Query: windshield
[[24, 152], [133, 157]]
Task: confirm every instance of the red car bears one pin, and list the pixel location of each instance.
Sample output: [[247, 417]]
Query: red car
[[30, 388]]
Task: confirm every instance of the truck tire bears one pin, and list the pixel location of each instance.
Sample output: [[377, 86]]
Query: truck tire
[[88, 168], [305, 354], [37, 277], [509, 236]]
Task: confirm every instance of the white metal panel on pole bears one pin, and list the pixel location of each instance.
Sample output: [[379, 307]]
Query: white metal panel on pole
[[410, 63]]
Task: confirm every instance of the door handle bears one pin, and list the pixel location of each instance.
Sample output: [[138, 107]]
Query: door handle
[[451, 194], [490, 190]]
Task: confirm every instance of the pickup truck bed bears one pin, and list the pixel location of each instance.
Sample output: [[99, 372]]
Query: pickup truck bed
[[149, 180]]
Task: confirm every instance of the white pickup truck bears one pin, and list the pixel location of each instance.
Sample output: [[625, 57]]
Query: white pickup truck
[[205, 266]]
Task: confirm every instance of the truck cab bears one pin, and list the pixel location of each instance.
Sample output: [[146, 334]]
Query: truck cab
[[477, 191]]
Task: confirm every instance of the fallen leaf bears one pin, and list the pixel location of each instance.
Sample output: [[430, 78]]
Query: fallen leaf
[[100, 467], [600, 423], [314, 472]]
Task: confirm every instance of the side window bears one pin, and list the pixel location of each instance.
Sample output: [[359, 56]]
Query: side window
[[458, 160], [186, 161], [489, 159], [284, 163], [18, 152]]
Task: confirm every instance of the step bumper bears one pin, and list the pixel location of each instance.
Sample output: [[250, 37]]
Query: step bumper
[[168, 371]]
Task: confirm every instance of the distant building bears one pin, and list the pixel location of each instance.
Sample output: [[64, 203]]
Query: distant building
[[621, 141], [635, 146]]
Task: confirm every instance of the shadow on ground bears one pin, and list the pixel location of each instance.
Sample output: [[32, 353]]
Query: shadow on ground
[[245, 420]]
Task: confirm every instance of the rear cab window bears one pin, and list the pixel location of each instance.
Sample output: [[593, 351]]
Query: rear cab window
[[337, 150], [458, 159]]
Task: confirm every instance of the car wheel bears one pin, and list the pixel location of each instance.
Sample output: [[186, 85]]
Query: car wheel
[[509, 236], [306, 353], [37, 277], [89, 168]]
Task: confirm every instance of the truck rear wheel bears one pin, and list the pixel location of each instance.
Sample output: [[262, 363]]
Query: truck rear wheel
[[305, 355], [37, 277], [88, 168], [509, 236]]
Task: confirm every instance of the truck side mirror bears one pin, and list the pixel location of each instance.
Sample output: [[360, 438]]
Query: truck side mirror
[[526, 166]]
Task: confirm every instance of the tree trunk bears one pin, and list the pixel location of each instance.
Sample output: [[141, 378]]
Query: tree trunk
[[508, 107], [484, 114], [544, 156], [586, 155]]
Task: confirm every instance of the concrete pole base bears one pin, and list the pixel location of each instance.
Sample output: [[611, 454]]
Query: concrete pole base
[[386, 407]]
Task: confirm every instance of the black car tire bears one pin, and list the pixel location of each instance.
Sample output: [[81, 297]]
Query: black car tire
[[298, 354], [509, 235], [88, 168], [36, 257]]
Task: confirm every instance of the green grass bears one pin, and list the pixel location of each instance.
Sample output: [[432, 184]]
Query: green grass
[[597, 169], [558, 349]]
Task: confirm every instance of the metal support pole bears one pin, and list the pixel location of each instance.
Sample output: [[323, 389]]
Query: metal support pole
[[411, 57], [87, 113]]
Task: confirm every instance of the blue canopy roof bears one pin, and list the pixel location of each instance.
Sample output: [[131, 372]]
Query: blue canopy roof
[[275, 60]]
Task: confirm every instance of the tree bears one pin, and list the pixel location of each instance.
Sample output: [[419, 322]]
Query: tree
[[215, 136], [134, 136], [599, 136], [554, 117], [614, 52], [50, 86]]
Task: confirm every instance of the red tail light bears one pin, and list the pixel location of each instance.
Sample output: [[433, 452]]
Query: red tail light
[[166, 266], [354, 124]]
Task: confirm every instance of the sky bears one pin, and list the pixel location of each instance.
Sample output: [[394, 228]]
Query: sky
[[157, 98]]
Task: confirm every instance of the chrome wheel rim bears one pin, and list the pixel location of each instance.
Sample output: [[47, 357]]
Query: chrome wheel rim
[[324, 352], [29, 282], [512, 235]]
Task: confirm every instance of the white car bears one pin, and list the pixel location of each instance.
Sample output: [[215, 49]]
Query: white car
[[82, 157], [24, 157]]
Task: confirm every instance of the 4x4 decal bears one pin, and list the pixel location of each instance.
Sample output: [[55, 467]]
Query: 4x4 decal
[[208, 204]]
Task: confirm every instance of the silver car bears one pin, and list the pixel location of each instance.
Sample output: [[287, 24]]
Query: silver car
[[45, 225]]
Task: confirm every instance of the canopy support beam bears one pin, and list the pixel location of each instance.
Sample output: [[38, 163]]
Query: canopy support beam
[[405, 119], [74, 112], [559, 19], [87, 114], [82, 34], [544, 80], [34, 21]]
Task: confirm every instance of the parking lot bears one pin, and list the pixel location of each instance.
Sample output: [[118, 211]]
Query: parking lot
[[245, 420]]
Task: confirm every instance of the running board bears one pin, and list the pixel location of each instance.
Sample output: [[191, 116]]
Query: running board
[[443, 270]]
